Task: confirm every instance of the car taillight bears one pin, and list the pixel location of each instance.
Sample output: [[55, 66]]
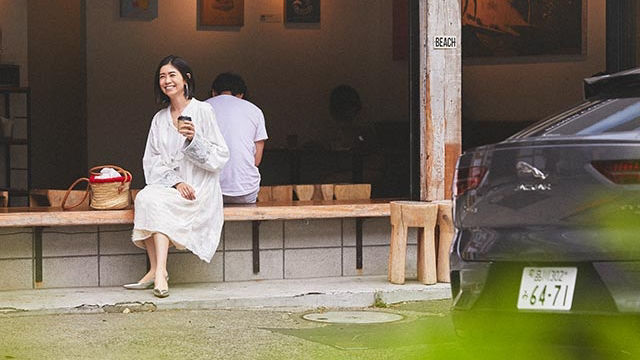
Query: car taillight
[[619, 171], [468, 178]]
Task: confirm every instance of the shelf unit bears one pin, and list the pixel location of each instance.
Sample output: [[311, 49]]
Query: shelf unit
[[17, 169]]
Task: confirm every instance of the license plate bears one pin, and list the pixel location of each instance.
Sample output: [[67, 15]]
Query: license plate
[[547, 288]]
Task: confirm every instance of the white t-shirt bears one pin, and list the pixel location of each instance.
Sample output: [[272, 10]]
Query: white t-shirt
[[241, 124]]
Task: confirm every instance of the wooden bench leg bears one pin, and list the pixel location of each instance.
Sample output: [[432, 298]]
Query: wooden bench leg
[[255, 240], [445, 223], [397, 253], [427, 256]]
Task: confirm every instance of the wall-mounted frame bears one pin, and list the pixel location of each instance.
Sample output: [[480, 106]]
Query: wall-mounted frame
[[139, 9], [301, 11], [504, 31], [221, 13]]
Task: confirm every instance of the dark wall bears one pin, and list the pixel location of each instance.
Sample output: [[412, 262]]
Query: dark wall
[[57, 77], [478, 133]]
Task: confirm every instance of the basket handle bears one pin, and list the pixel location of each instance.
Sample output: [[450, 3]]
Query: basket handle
[[66, 195], [125, 174]]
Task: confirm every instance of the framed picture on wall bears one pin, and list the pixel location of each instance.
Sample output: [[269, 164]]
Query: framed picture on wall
[[523, 28], [301, 11], [221, 12], [139, 9]]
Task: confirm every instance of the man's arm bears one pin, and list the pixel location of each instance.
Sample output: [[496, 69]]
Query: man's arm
[[259, 150]]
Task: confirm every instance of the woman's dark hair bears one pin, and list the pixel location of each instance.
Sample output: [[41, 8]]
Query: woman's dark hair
[[184, 69], [229, 82]]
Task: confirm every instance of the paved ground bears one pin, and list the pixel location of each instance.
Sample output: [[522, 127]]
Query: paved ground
[[227, 334], [264, 320], [425, 332], [339, 292]]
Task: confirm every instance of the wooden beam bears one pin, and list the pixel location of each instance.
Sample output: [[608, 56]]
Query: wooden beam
[[441, 79]]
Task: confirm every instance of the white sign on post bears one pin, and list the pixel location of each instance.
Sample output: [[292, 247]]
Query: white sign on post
[[445, 42]]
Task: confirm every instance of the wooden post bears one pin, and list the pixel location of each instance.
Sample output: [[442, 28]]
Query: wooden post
[[441, 77]]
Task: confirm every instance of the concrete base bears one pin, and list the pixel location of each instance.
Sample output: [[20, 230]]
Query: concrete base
[[333, 292]]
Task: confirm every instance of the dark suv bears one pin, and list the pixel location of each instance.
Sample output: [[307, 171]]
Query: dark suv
[[548, 224]]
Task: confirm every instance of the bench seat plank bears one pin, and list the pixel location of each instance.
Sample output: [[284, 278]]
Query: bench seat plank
[[273, 210], [315, 209]]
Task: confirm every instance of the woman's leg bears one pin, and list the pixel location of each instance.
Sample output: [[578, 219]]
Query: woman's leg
[[161, 250], [150, 245]]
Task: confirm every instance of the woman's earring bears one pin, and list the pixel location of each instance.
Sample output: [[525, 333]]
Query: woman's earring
[[186, 90]]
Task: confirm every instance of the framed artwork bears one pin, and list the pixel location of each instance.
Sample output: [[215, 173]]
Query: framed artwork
[[139, 9], [301, 11], [521, 28], [221, 12]]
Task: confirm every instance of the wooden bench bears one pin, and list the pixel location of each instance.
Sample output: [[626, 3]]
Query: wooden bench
[[38, 217]]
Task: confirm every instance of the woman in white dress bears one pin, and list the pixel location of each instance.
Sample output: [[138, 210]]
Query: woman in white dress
[[181, 205]]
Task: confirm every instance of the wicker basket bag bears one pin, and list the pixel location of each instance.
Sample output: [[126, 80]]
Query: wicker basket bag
[[106, 194]]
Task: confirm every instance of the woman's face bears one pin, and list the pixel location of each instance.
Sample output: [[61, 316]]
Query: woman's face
[[171, 81]]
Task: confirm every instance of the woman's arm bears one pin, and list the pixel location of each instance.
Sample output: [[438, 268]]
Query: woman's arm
[[156, 170], [207, 149]]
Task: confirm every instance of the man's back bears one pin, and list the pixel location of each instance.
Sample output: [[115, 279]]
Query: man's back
[[241, 124]]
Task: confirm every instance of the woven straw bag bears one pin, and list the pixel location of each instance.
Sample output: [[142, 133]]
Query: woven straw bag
[[106, 194]]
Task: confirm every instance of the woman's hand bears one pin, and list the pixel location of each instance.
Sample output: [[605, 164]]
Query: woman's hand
[[186, 191], [187, 129]]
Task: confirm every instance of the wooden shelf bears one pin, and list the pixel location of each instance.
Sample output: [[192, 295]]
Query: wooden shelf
[[7, 143]]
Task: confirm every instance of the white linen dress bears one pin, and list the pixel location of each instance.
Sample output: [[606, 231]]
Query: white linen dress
[[169, 158]]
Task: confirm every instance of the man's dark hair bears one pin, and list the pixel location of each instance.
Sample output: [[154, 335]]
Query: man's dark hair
[[229, 82]]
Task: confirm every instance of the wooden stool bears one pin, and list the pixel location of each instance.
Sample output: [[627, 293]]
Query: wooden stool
[[53, 198], [275, 193], [4, 198], [406, 214], [314, 192], [303, 192], [445, 226], [352, 191]]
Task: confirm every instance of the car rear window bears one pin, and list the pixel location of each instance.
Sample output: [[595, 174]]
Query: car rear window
[[589, 118]]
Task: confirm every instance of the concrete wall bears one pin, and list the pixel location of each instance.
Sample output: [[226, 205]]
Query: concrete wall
[[532, 90], [290, 70], [104, 255]]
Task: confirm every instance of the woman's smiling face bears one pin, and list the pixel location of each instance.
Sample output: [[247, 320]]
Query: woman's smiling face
[[171, 81]]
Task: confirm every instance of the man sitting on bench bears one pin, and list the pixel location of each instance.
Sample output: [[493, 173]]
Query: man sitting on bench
[[242, 126]]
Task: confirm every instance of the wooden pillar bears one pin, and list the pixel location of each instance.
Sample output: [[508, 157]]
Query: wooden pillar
[[440, 79]]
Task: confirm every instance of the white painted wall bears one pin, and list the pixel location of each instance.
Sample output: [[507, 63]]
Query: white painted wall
[[290, 71], [533, 90]]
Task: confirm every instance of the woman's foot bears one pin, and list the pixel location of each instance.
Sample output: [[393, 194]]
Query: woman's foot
[[147, 282], [140, 285], [161, 288]]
